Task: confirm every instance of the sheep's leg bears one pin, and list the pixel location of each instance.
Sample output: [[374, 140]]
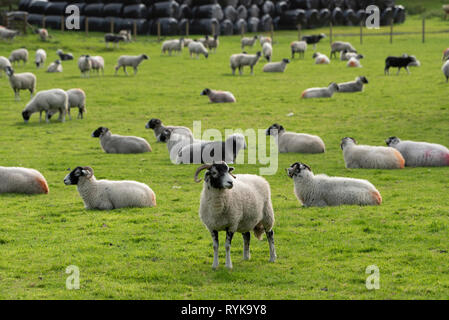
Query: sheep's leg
[[40, 116], [246, 241], [229, 236], [252, 69], [240, 70], [124, 69], [270, 238], [399, 70], [70, 116], [16, 95], [47, 116], [233, 71], [408, 71], [135, 70], [214, 235]]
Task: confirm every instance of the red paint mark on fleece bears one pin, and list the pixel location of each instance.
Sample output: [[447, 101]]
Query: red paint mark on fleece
[[377, 197], [303, 94], [43, 184], [400, 159]]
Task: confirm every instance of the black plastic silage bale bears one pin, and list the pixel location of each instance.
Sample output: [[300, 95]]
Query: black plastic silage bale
[[300, 4], [253, 24], [245, 3], [209, 11], [35, 19], [254, 11], [169, 26], [113, 10], [281, 7], [118, 24], [325, 16], [98, 24], [265, 23], [205, 26], [361, 15], [386, 17], [135, 11], [230, 13], [269, 8], [399, 14], [141, 25], [226, 27], [242, 12], [182, 26], [166, 9], [353, 4], [94, 10], [53, 22], [291, 18], [56, 8], [38, 7], [338, 17], [80, 5], [351, 18], [258, 2], [313, 18], [315, 4], [326, 4], [239, 25], [184, 12], [24, 5], [225, 3], [197, 3]]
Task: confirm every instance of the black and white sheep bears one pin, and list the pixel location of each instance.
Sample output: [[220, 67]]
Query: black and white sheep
[[295, 142], [114, 38], [353, 86], [216, 96], [267, 51], [48, 101], [19, 55], [157, 126], [299, 47], [276, 66], [404, 61], [248, 42], [64, 56], [22, 180], [239, 60], [130, 61], [114, 143], [21, 81], [321, 92], [313, 39], [4, 62]]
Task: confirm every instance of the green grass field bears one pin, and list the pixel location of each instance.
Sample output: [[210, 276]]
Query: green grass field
[[166, 252]]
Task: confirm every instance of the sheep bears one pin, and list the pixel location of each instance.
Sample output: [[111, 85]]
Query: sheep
[[299, 47], [240, 60], [321, 58], [404, 61], [208, 151], [19, 55], [130, 61], [197, 48], [218, 96], [110, 37], [235, 203], [40, 58], [445, 69], [370, 157], [420, 154], [43, 34], [313, 39], [291, 142], [175, 142], [187, 41], [213, 43], [353, 86], [107, 194], [173, 45], [114, 143], [445, 54], [21, 81], [22, 180], [354, 63], [50, 101], [126, 34], [323, 191], [77, 99], [85, 65], [345, 55], [4, 62], [248, 42], [55, 66], [264, 40], [204, 40], [267, 51], [8, 34], [321, 92], [339, 46], [64, 56], [276, 66], [97, 64], [158, 128]]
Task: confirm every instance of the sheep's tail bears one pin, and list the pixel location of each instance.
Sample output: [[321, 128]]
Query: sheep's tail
[[259, 230], [400, 158], [377, 197]]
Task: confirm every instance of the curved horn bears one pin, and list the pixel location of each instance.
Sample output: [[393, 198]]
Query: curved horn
[[204, 166]]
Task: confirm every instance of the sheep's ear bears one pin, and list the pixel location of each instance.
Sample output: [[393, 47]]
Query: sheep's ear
[[281, 128], [231, 169]]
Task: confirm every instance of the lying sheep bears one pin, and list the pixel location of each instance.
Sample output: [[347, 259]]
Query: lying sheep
[[276, 66], [445, 69], [267, 51], [321, 58], [130, 61], [55, 66], [40, 57], [8, 34], [295, 142], [321, 92], [323, 191], [370, 157], [175, 142], [109, 195], [22, 180], [114, 143], [77, 99], [173, 45], [158, 128], [197, 48], [404, 61], [235, 203], [21, 81], [345, 55], [4, 62], [64, 56], [85, 65], [239, 60], [339, 46], [248, 42], [19, 55], [420, 154], [354, 63], [51, 101], [97, 64], [218, 96], [264, 40], [353, 86], [299, 47]]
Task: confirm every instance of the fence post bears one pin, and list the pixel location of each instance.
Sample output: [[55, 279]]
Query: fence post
[[330, 32], [391, 31], [112, 26], [242, 30], [272, 33], [43, 22], [62, 24], [299, 32], [25, 24], [86, 26], [361, 32], [158, 31], [135, 30], [423, 29], [187, 28], [213, 29]]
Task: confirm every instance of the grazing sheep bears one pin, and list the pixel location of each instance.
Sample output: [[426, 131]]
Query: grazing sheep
[[321, 58], [40, 57], [109, 195], [64, 56], [401, 62], [115, 39], [353, 86], [218, 96], [97, 64], [173, 45], [370, 157], [213, 43], [126, 34], [299, 47], [445, 54], [85, 65], [445, 70], [323, 191], [295, 142], [4, 62], [8, 34], [43, 34], [354, 63], [248, 42], [55, 66], [197, 48], [321, 92], [187, 41], [51, 101], [235, 203], [267, 51], [339, 46], [19, 55], [130, 61], [276, 66], [21, 81], [77, 99], [264, 40], [240, 60], [314, 39], [114, 143], [158, 128], [22, 180], [420, 154]]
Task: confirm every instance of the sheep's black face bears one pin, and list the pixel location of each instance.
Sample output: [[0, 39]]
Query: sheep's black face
[[74, 176], [364, 80], [219, 176], [286, 60], [26, 115], [391, 141], [345, 141], [97, 133], [276, 127], [153, 123], [165, 135], [205, 92], [9, 71], [296, 169], [145, 57]]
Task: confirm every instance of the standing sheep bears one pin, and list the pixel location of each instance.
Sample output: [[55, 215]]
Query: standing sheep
[[321, 58], [173, 45], [51, 101], [97, 64], [22, 180], [276, 66], [314, 39], [4, 62], [218, 96], [321, 92], [197, 48], [339, 46], [445, 69], [295, 142], [370, 157], [235, 203], [109, 195], [323, 191], [248, 42], [77, 99], [130, 61], [85, 65], [264, 40], [299, 47], [157, 126], [21, 81], [43, 34], [40, 57], [19, 55], [213, 43], [8, 34], [267, 51], [114, 143], [420, 154], [55, 66], [404, 61], [239, 60], [353, 86]]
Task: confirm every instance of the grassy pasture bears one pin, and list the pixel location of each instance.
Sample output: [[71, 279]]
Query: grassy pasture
[[166, 252]]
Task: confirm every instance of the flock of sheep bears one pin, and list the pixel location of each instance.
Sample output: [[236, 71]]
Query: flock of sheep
[[232, 203]]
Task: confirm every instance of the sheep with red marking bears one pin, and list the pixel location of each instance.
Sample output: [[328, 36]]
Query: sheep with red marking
[[22, 180]]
